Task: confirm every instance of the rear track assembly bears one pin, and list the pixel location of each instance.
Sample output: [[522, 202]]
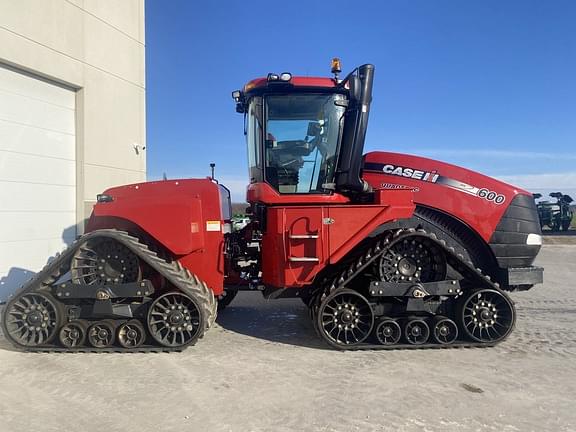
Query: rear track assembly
[[117, 310]]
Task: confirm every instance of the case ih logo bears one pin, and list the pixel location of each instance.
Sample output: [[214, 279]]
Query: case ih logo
[[416, 174], [407, 172], [434, 177]]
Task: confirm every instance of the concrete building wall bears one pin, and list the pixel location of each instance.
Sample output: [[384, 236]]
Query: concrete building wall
[[95, 47], [72, 121]]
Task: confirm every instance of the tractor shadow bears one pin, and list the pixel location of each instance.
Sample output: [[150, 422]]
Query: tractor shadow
[[283, 321], [17, 276]]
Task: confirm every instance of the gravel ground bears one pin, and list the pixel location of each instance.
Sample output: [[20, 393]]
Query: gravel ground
[[262, 369]]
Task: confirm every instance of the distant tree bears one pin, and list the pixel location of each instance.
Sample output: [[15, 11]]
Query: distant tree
[[239, 209]]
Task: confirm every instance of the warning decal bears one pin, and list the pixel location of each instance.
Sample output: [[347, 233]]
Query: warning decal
[[213, 226]]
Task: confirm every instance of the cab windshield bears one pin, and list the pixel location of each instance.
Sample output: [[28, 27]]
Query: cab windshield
[[301, 141]]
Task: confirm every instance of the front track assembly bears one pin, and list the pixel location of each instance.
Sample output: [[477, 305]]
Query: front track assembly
[[395, 295], [109, 292]]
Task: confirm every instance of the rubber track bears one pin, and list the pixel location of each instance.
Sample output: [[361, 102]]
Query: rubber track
[[173, 271], [404, 346], [455, 235], [376, 250]]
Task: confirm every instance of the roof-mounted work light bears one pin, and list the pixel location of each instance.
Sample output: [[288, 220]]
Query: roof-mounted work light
[[238, 97], [336, 67]]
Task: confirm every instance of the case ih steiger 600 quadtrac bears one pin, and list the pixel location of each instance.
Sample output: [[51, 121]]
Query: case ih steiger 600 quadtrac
[[387, 250]]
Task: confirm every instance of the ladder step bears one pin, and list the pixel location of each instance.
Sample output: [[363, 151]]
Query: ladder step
[[304, 259]]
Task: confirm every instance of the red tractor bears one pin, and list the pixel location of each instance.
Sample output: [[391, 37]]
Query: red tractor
[[387, 250]]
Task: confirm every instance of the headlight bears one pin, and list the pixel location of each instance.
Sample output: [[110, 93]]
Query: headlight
[[101, 198]]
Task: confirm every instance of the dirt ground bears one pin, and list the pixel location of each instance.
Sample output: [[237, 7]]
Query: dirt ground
[[262, 369]]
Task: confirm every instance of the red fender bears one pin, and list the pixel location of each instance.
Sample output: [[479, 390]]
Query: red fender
[[184, 216], [475, 199]]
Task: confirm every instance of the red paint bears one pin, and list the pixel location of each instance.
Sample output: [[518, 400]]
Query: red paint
[[264, 193], [354, 223], [175, 213], [295, 81], [478, 213], [323, 227], [334, 229]]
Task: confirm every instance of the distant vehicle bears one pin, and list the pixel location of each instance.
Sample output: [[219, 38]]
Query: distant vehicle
[[556, 215]]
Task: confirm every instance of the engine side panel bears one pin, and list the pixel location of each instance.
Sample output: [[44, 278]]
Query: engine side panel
[[184, 216], [473, 198]]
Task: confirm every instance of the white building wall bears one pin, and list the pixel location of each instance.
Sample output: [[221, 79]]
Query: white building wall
[[94, 48]]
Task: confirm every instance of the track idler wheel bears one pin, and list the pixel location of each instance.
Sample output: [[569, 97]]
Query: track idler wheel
[[344, 318], [101, 334], [416, 331], [105, 261], [444, 330], [487, 315], [388, 332], [131, 334], [175, 320], [73, 334], [414, 259], [31, 320]]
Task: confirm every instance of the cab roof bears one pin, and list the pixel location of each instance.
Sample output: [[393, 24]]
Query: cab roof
[[261, 84]]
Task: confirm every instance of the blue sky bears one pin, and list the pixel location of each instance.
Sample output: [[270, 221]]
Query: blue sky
[[490, 85]]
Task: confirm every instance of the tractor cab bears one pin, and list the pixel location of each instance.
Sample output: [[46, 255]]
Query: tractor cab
[[300, 143], [308, 202], [305, 135]]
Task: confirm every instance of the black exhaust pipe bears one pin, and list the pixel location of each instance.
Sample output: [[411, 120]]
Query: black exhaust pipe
[[348, 176]]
